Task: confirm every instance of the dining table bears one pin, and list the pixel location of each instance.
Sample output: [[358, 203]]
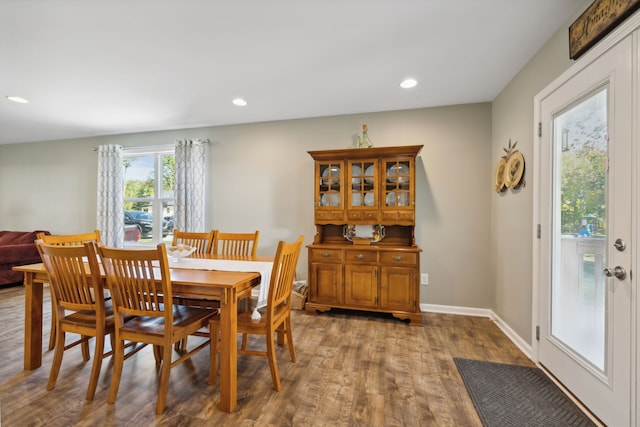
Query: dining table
[[187, 280]]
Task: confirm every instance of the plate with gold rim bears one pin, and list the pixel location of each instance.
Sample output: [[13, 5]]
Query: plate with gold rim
[[514, 170], [499, 176]]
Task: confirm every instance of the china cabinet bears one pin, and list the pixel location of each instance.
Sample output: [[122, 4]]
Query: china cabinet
[[364, 255]]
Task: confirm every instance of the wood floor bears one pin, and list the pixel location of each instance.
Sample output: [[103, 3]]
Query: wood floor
[[353, 370]]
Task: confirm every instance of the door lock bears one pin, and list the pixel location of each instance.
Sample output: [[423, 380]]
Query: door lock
[[620, 245], [619, 272]]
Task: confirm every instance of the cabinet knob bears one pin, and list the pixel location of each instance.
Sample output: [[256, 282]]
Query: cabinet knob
[[397, 258], [361, 256], [326, 254]]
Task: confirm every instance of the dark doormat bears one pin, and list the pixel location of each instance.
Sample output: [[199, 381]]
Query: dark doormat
[[511, 395]]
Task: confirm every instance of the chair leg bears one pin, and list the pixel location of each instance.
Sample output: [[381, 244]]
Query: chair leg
[[245, 341], [54, 322], [98, 355], [85, 348], [118, 361], [157, 354], [52, 336], [165, 370], [213, 367], [57, 359], [287, 327], [273, 363], [181, 346]]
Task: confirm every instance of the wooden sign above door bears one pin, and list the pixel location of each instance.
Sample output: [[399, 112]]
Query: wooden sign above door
[[596, 22]]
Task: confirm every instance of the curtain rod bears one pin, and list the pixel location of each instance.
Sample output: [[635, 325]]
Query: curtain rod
[[152, 147]]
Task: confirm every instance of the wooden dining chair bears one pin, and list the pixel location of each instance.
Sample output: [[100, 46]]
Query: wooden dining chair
[[139, 282], [235, 244], [79, 305], [70, 239], [275, 316], [65, 240], [202, 241]]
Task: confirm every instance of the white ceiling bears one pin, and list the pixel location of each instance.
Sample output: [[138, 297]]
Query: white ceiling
[[92, 67]]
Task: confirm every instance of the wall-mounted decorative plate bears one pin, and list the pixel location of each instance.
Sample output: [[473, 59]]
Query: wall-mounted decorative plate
[[498, 177], [514, 170]]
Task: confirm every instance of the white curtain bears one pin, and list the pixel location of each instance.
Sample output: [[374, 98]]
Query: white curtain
[[189, 185], [110, 219]]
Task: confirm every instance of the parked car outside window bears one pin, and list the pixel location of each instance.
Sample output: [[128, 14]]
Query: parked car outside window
[[167, 225], [131, 233], [144, 222]]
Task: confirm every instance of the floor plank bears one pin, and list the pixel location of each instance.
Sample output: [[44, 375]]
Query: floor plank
[[355, 369]]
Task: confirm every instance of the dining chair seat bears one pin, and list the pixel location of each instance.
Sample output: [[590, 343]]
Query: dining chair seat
[[184, 318], [88, 317]]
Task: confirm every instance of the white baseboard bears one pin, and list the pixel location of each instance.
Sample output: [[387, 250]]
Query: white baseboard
[[524, 346]]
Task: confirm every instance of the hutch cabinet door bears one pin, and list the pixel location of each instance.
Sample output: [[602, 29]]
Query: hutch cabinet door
[[362, 191], [398, 288], [326, 283], [329, 192], [398, 194], [361, 285]]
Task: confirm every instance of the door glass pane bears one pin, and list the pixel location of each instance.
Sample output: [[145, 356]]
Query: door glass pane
[[397, 178], [578, 287], [330, 186], [362, 183]]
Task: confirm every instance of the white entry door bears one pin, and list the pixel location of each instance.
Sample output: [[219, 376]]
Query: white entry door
[[586, 233]]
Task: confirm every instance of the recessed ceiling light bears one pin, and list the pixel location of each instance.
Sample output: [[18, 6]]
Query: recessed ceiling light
[[408, 83], [17, 99], [239, 102]]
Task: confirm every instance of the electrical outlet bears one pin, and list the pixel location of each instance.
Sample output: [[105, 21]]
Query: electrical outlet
[[424, 279]]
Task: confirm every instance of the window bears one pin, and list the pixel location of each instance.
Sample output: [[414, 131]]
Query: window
[[149, 179]]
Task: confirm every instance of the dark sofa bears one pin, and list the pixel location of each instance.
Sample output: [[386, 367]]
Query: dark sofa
[[17, 248]]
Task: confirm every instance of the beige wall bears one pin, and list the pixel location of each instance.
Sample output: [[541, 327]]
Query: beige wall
[[512, 227], [477, 244], [261, 177]]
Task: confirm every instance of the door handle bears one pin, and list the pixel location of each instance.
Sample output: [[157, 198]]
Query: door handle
[[619, 272]]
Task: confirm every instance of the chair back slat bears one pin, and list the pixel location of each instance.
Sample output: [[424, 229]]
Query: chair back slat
[[235, 244], [70, 239], [283, 275], [202, 241], [133, 276], [75, 286]]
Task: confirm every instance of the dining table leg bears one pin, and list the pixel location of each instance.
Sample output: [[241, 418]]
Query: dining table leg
[[229, 352], [32, 322]]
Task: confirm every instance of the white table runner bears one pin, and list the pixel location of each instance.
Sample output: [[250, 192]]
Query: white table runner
[[262, 267]]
